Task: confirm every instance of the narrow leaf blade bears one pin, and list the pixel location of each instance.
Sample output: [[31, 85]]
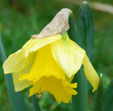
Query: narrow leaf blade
[[108, 102], [16, 99], [98, 104]]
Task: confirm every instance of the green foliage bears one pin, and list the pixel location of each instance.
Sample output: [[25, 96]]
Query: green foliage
[[85, 30], [98, 106], [108, 101], [35, 104], [85, 38], [15, 98]]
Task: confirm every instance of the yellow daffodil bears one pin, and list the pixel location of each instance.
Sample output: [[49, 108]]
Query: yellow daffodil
[[48, 62]]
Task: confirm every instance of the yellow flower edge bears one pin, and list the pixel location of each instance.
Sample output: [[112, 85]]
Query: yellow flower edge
[[49, 64], [61, 89]]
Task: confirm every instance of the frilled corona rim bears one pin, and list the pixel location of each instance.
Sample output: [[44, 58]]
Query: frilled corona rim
[[59, 24]]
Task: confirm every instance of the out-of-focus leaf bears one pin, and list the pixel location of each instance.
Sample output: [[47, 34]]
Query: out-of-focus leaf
[[108, 101], [35, 103], [16, 99]]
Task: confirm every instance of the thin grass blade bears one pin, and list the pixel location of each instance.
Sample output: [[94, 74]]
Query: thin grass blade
[[16, 99]]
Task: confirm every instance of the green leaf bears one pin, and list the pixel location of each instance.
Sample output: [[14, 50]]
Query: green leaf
[[16, 99], [79, 101], [85, 38], [108, 101], [85, 30], [98, 104], [71, 31]]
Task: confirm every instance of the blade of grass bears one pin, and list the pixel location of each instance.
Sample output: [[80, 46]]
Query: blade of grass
[[16, 99]]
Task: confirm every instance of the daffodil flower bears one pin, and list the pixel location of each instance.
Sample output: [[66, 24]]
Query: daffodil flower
[[49, 61]]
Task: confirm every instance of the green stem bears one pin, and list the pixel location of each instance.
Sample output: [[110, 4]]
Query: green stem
[[35, 103], [16, 99]]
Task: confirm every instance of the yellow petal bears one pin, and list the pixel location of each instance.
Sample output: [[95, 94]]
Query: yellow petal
[[34, 44], [60, 89], [17, 62], [44, 64], [20, 59], [90, 73], [19, 85], [47, 75], [68, 55]]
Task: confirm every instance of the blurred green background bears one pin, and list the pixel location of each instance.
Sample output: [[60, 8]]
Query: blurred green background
[[19, 19]]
